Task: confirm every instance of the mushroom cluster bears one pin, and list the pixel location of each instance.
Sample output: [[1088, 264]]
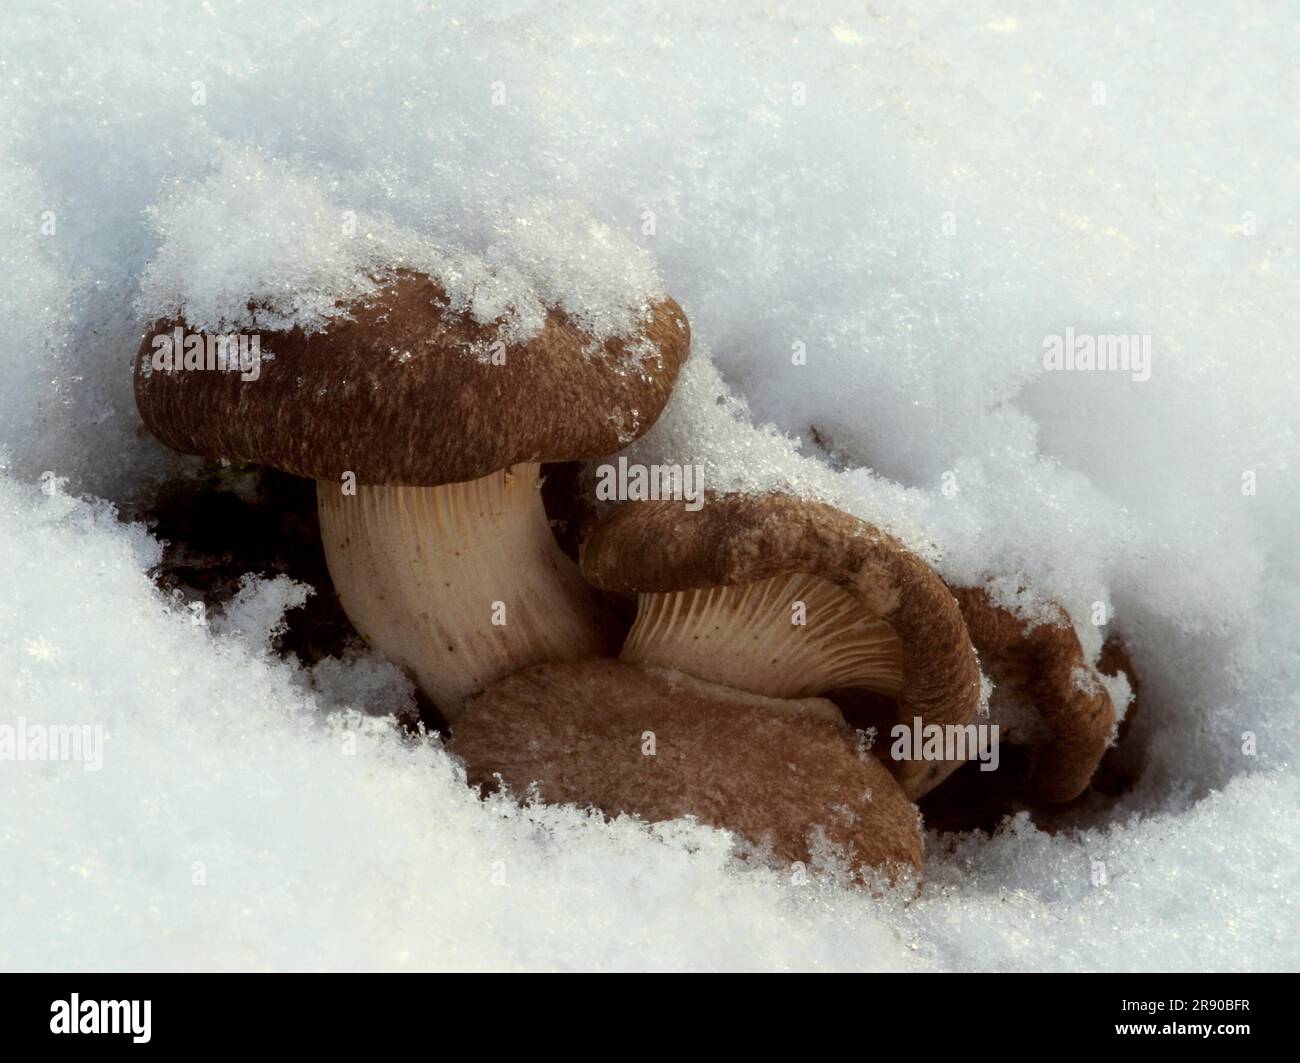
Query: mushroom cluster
[[722, 590], [774, 637], [750, 610], [425, 432]]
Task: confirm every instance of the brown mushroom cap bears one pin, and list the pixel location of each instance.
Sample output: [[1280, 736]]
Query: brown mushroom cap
[[661, 546], [403, 390], [578, 730], [1044, 664]]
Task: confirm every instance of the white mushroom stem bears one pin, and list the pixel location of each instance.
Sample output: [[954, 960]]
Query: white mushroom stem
[[460, 584], [787, 637]]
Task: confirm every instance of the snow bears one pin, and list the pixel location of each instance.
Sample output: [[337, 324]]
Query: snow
[[257, 246], [873, 216]]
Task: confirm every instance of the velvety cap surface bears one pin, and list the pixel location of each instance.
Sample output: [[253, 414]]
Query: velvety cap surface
[[405, 390], [578, 730]]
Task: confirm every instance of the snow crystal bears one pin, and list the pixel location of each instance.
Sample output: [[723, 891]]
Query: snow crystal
[[256, 612]]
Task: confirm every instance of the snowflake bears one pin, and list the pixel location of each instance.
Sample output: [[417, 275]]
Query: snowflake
[[42, 649]]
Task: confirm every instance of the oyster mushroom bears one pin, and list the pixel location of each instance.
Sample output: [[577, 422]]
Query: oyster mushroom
[[784, 599], [662, 746], [442, 557]]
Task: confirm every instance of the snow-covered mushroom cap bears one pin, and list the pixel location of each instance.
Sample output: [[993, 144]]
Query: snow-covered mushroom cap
[[788, 598], [424, 429], [406, 390], [1044, 664], [793, 785]]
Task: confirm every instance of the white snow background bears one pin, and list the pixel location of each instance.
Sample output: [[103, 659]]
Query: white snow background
[[957, 181]]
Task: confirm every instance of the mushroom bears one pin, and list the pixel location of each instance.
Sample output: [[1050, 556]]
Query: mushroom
[[661, 746], [1124, 760], [787, 598], [441, 553], [1042, 667]]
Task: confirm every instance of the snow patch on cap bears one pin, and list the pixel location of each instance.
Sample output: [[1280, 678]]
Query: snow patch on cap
[[258, 245]]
